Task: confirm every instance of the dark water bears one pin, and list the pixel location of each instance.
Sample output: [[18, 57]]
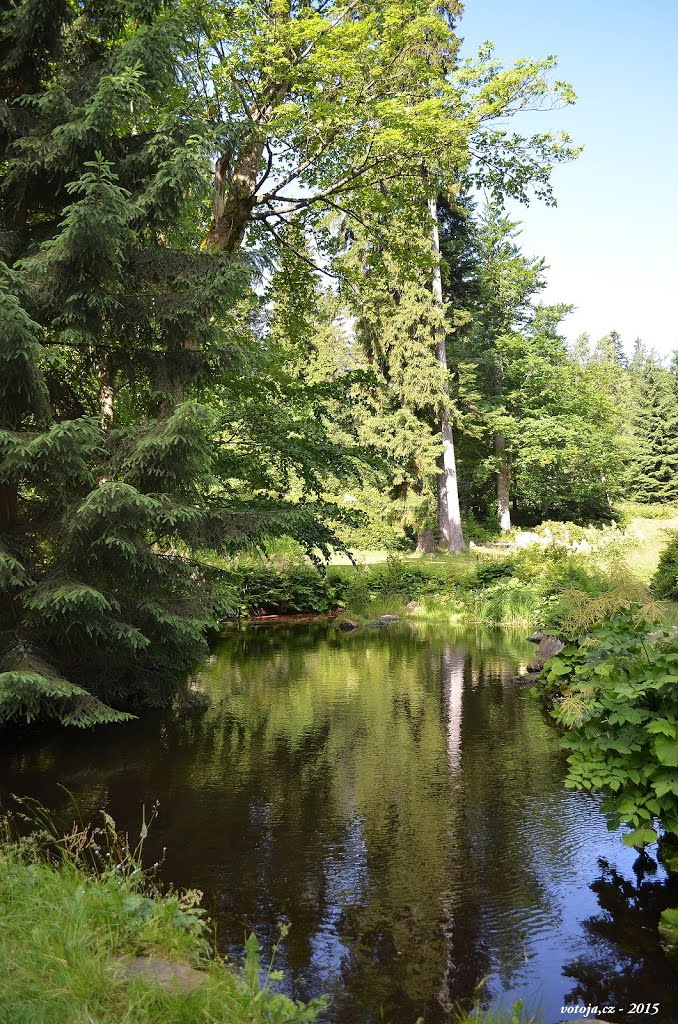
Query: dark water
[[396, 799]]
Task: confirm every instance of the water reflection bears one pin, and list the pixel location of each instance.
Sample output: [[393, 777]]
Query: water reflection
[[388, 792], [620, 964]]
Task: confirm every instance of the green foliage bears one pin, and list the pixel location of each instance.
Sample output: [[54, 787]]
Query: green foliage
[[288, 585], [653, 466], [141, 418], [73, 908], [664, 583], [517, 1014], [546, 585], [616, 692], [529, 413], [629, 509], [490, 572], [283, 587], [668, 926]]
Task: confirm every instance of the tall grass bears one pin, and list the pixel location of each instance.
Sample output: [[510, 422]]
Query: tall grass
[[72, 909]]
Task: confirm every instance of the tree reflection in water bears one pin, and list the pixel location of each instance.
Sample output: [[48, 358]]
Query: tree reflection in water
[[622, 963], [390, 794]]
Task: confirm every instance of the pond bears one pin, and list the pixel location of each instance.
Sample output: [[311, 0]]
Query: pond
[[400, 802]]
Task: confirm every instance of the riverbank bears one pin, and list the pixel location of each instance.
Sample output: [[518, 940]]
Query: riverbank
[[86, 943], [507, 585], [87, 937]]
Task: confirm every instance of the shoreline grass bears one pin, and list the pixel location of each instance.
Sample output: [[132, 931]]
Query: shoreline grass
[[495, 587], [72, 921], [76, 911]]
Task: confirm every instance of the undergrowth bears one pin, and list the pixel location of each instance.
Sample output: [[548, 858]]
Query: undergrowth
[[499, 588]]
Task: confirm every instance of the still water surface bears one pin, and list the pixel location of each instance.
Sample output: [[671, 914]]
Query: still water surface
[[401, 803]]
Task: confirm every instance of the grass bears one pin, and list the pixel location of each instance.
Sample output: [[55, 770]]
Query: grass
[[73, 909], [518, 606], [652, 534], [461, 589], [516, 1015], [65, 923]]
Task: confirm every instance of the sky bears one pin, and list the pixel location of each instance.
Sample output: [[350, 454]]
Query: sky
[[611, 243]]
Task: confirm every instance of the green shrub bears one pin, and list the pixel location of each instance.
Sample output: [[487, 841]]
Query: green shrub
[[668, 926], [664, 583], [393, 582], [284, 587], [616, 692], [489, 572], [395, 576]]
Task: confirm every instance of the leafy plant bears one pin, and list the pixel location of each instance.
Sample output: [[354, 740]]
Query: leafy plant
[[74, 907], [615, 691]]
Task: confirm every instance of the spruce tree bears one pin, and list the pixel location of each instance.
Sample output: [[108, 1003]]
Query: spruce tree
[[127, 369], [537, 429], [653, 469]]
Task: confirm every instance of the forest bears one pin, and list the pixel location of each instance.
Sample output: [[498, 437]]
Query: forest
[[270, 343]]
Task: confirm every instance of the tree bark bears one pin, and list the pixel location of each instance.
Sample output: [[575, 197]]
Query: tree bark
[[106, 397], [8, 507], [235, 180], [426, 544], [234, 198], [503, 483], [449, 512]]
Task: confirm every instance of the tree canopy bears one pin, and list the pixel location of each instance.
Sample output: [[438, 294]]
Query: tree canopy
[[247, 292]]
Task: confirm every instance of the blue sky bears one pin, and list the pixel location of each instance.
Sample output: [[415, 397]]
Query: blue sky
[[611, 242]]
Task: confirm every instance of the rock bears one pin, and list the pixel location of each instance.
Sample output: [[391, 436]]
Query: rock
[[388, 620], [548, 648], [659, 634], [536, 637], [171, 976], [528, 677], [347, 625]]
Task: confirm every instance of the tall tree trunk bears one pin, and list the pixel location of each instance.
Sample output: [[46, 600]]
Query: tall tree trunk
[[8, 517], [503, 483], [426, 544], [106, 396], [449, 513], [8, 507]]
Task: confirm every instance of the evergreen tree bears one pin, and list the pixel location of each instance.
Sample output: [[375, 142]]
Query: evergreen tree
[[619, 352], [396, 319], [610, 348], [538, 429], [505, 282], [564, 425], [674, 367], [653, 469], [114, 475]]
